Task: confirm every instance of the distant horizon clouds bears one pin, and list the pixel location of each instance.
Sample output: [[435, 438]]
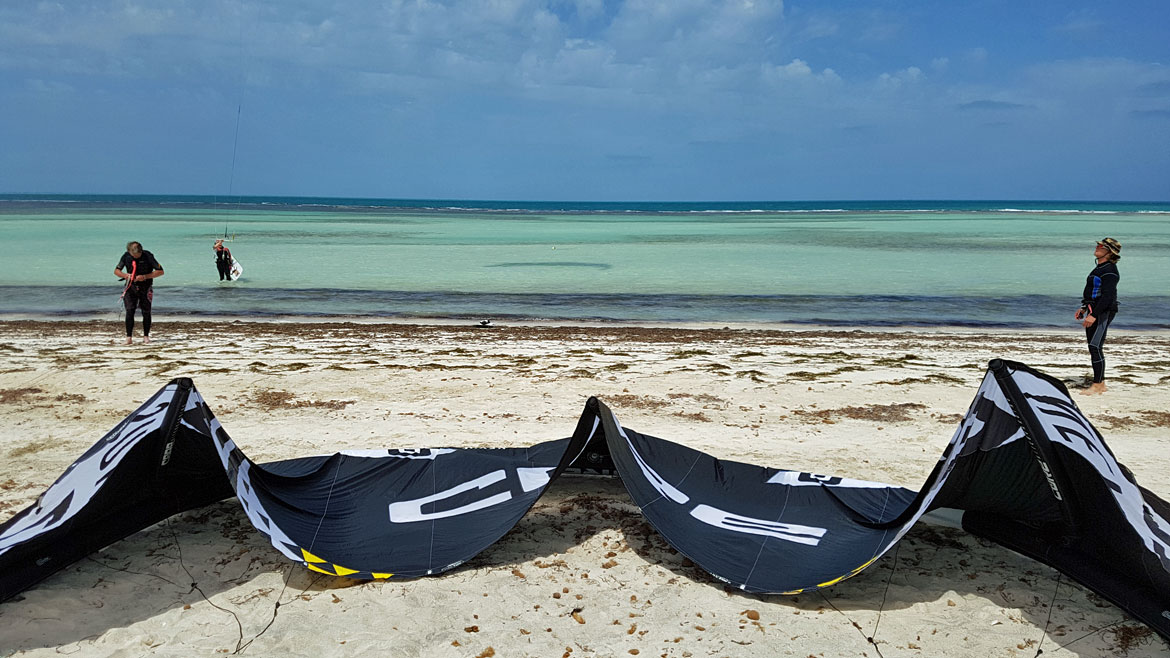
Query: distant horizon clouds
[[587, 100]]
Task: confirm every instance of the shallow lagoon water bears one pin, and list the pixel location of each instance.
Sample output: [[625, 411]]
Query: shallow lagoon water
[[930, 265]]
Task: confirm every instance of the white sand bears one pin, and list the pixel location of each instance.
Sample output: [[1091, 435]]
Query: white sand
[[776, 398]]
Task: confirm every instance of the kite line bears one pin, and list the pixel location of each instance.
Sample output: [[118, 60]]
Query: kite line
[[195, 585], [871, 638], [232, 175]]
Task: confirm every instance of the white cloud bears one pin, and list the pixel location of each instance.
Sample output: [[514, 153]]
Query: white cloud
[[49, 87], [588, 10], [1080, 23], [881, 31], [719, 33], [819, 27], [724, 71], [1105, 86], [660, 45], [797, 70], [898, 79]]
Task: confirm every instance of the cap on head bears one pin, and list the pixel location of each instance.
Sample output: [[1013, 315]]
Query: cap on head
[[1112, 245]]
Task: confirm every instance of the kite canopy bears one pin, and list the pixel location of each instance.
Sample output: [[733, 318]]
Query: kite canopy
[[1024, 469]]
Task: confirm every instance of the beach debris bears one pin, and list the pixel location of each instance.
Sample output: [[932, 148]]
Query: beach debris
[[17, 395]]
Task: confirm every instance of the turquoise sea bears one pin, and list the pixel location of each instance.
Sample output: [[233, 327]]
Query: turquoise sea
[[884, 263]]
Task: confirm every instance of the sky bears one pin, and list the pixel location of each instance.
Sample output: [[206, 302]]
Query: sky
[[588, 100]]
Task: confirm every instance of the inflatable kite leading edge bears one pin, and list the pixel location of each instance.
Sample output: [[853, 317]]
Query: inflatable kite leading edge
[[1025, 469]]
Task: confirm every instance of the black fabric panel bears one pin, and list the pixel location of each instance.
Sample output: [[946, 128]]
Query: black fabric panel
[[1005, 480], [136, 493], [1120, 557], [1144, 602], [340, 510], [728, 519]]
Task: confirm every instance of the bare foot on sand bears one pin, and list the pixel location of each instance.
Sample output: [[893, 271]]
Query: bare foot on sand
[[1097, 388], [146, 339], [129, 339]]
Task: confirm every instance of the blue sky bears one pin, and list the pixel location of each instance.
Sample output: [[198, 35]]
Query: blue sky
[[588, 99]]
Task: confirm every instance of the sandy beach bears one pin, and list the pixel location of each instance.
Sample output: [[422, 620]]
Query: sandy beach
[[583, 574]]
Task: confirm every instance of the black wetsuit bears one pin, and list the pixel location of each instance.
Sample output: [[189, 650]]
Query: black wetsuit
[[139, 294], [1100, 301], [223, 263]]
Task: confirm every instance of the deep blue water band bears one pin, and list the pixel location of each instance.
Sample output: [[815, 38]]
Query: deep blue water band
[[114, 201], [1024, 311]]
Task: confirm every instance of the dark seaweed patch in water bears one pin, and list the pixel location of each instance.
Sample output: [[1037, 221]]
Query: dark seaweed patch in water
[[599, 266]]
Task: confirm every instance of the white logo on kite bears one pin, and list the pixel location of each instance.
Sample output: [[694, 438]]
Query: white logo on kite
[[404, 453], [409, 511], [85, 477], [1051, 480], [657, 481], [795, 479], [800, 534]]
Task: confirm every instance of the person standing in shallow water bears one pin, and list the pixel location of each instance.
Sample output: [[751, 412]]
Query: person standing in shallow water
[[223, 260], [139, 269], [1098, 306]]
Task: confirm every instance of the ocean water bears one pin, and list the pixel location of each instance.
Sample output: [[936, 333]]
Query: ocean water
[[916, 263]]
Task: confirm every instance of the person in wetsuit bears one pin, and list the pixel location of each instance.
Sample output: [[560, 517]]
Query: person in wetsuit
[[1098, 306], [223, 260], [139, 269]]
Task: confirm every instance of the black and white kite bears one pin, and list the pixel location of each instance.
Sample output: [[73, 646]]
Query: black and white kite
[[1025, 469]]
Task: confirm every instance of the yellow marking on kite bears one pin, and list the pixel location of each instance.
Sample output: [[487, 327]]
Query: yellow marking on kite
[[381, 575], [850, 574], [790, 592], [309, 557], [319, 569], [342, 571], [871, 561]]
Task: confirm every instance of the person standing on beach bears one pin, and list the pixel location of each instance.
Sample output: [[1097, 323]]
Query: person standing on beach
[[139, 292], [223, 260], [1099, 305]]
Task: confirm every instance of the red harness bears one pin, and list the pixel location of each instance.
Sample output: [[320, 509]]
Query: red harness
[[130, 281]]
